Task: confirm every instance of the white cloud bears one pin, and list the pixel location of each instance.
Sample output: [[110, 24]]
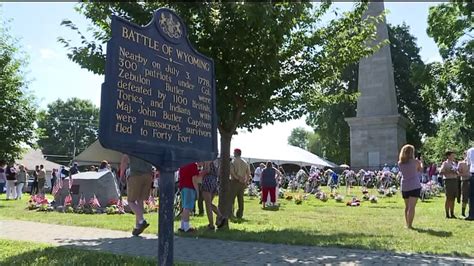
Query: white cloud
[[46, 53]]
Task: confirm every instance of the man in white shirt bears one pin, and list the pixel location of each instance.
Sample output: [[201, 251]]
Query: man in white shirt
[[258, 174], [470, 161]]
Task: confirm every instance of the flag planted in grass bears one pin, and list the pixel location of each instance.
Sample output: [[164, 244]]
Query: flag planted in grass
[[94, 202], [68, 200], [57, 186], [82, 202]]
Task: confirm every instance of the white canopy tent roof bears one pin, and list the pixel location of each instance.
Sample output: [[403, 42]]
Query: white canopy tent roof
[[277, 153], [95, 154], [35, 157]]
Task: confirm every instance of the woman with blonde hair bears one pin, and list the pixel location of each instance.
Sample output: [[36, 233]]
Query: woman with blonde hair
[[411, 170]]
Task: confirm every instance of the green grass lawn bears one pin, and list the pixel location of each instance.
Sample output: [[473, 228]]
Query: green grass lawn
[[371, 226], [29, 253]]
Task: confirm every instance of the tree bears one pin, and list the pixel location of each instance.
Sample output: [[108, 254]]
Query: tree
[[68, 127], [17, 109], [451, 91], [305, 139], [448, 138], [299, 137], [315, 145], [266, 55], [338, 101]]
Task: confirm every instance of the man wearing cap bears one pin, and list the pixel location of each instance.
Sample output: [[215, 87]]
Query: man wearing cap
[[239, 176]]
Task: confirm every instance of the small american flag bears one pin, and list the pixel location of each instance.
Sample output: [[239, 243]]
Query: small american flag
[[82, 202], [95, 202], [70, 182], [120, 206], [57, 186], [68, 200], [151, 201]]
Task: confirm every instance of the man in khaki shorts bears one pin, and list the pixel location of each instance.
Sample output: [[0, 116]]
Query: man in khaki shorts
[[138, 190]]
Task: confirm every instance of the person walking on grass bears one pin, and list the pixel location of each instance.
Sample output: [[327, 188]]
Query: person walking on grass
[[155, 182], [464, 175], [411, 170], [257, 176], [470, 162], [138, 190], [34, 187], [189, 176], [11, 181], [41, 179], [209, 190], [269, 184], [54, 178], [21, 180], [239, 176], [450, 178], [3, 176]]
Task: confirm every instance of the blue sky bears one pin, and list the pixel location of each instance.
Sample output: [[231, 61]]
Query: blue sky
[[54, 76]]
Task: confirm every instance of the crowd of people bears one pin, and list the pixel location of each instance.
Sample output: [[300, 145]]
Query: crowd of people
[[14, 178], [456, 178], [199, 182], [408, 175]]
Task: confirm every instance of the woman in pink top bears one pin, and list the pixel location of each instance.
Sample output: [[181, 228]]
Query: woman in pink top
[[410, 183]]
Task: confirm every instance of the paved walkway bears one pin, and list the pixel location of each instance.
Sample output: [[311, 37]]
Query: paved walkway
[[208, 251]]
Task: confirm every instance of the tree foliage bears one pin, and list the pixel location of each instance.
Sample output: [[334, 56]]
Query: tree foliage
[[305, 139], [315, 145], [17, 109], [451, 92], [66, 125], [299, 137], [266, 54], [449, 137], [330, 106]]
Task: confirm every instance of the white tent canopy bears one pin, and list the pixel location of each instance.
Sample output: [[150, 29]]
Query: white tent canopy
[[95, 154], [277, 153]]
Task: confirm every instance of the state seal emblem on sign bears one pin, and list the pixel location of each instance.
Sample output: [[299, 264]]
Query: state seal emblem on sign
[[170, 26]]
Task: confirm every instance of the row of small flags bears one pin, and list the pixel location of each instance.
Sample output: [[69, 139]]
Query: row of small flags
[[82, 201]]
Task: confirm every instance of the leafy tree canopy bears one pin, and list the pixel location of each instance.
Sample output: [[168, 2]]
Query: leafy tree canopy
[[299, 137], [448, 138], [17, 108], [266, 54], [305, 139], [451, 91], [67, 127]]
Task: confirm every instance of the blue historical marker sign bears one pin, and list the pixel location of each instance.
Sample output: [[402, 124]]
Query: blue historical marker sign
[[158, 104], [158, 100]]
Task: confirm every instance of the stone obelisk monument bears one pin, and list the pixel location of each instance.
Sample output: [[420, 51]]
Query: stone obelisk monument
[[378, 131]]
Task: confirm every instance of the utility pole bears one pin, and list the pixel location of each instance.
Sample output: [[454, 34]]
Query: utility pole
[[74, 143]]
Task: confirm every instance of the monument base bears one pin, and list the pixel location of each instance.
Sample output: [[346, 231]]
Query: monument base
[[376, 141]]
